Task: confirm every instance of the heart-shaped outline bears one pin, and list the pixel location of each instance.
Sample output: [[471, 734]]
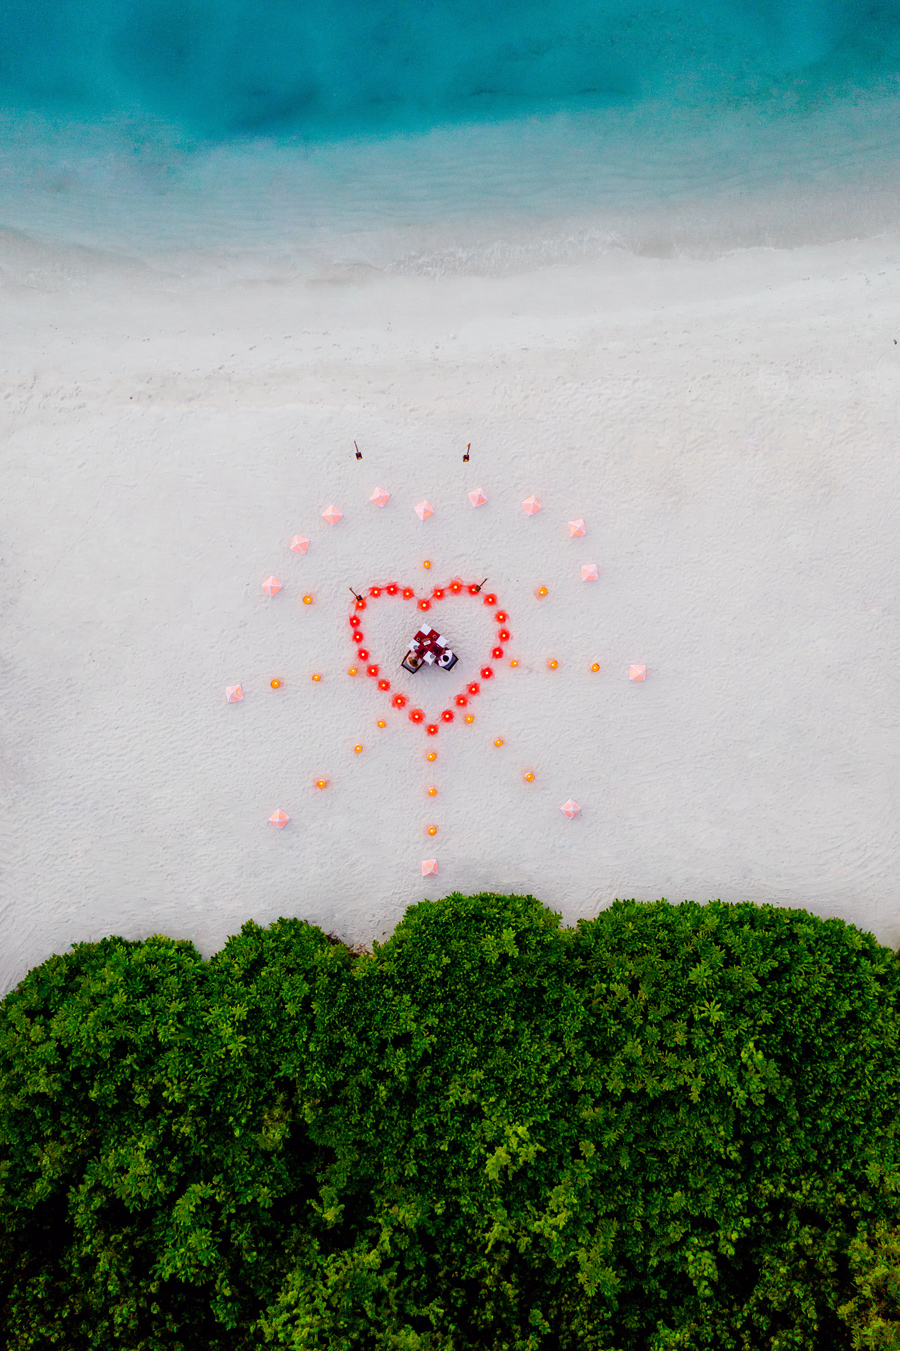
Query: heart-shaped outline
[[455, 587]]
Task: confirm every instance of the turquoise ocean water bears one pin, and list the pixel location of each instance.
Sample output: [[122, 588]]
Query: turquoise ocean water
[[447, 135]]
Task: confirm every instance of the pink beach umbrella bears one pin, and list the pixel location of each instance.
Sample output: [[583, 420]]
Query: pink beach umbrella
[[272, 586], [637, 673], [424, 510], [429, 867], [380, 497], [589, 572], [332, 515], [279, 819], [234, 694], [570, 808], [576, 527], [531, 506], [477, 497], [299, 544]]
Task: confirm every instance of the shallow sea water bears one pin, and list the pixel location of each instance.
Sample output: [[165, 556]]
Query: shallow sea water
[[315, 139]]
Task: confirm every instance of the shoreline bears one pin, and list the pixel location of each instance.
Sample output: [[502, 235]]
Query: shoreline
[[496, 196]]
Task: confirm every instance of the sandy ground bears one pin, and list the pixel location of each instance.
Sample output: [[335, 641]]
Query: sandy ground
[[727, 430]]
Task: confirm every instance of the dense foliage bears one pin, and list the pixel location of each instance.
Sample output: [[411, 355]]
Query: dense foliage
[[670, 1127]]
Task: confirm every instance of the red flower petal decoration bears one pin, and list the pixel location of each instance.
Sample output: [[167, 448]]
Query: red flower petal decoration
[[398, 701]]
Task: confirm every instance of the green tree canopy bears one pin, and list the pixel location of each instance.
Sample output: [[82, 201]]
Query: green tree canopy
[[673, 1126]]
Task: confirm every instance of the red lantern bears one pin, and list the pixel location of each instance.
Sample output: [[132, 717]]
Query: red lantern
[[424, 604], [384, 684], [501, 616], [408, 593], [416, 715], [358, 636], [393, 589], [438, 593], [496, 652], [447, 715], [432, 729], [360, 603], [362, 654], [486, 673], [375, 591], [354, 620], [473, 688], [474, 589], [398, 700], [490, 600], [371, 670], [461, 701], [456, 587], [504, 635]]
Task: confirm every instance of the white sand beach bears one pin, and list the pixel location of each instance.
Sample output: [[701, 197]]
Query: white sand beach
[[728, 431]]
